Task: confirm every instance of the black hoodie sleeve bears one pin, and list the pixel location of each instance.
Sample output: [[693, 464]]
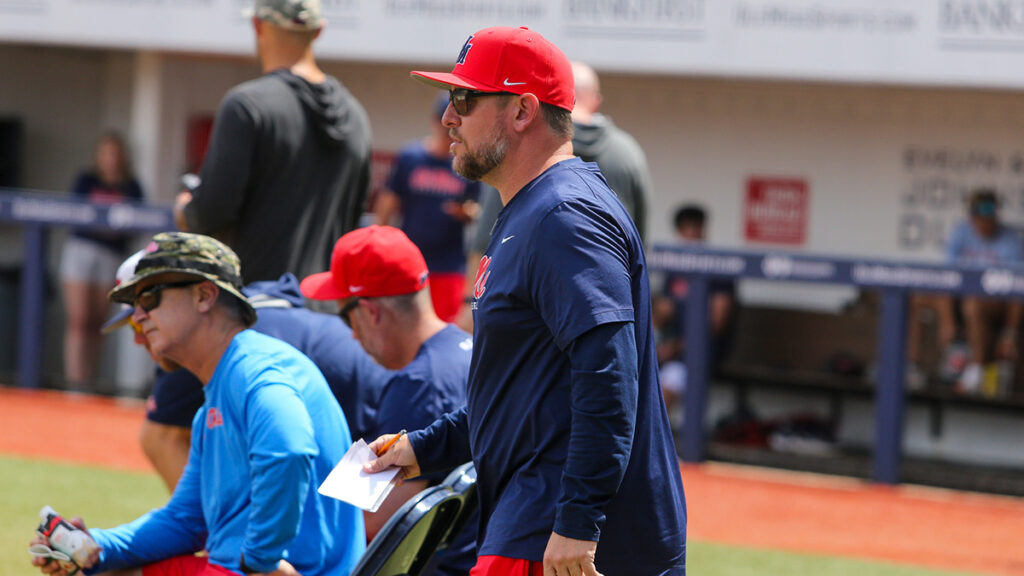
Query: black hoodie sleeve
[[217, 201]]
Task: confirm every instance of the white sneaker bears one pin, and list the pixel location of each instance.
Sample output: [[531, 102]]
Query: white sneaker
[[970, 379]]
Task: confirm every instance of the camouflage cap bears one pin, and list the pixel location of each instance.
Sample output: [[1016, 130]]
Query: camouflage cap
[[290, 14], [193, 254]]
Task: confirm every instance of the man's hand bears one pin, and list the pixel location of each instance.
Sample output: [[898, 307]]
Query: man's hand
[[52, 567], [465, 211], [569, 557], [183, 199], [284, 568], [400, 454]]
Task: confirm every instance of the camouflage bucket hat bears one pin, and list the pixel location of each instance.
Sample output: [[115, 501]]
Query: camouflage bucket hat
[[289, 14], [193, 254]]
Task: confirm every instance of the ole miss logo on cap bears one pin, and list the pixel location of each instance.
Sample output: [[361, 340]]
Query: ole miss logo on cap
[[465, 50]]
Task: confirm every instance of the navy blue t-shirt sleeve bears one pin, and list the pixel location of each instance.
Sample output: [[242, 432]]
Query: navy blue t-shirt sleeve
[[408, 403], [580, 269], [604, 399], [444, 444]]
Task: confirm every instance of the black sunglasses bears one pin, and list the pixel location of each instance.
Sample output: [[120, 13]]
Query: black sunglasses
[[461, 98], [149, 298], [346, 310]]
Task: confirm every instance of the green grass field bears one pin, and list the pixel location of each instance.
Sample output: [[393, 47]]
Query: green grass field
[[105, 497]]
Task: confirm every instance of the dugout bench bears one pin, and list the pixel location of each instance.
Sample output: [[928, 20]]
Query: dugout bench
[[829, 355], [894, 281]]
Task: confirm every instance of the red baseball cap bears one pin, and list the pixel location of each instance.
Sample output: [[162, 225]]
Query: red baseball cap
[[516, 60], [370, 262]]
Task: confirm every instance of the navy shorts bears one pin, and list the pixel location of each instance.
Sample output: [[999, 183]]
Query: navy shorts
[[176, 398]]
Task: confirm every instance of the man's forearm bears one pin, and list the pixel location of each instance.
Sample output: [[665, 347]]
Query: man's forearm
[[444, 444], [604, 397]]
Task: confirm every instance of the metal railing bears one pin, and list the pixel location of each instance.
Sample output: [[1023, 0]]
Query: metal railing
[[895, 280], [37, 212]]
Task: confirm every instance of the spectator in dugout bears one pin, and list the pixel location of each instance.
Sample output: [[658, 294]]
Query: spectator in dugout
[[991, 326], [690, 224], [90, 258]]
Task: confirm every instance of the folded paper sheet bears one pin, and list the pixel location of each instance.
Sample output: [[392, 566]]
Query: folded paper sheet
[[349, 483]]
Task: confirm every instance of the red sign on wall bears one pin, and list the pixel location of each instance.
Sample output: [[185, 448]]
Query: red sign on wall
[[776, 210]]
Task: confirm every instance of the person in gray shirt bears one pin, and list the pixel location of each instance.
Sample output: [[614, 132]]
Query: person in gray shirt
[[618, 155], [288, 168]]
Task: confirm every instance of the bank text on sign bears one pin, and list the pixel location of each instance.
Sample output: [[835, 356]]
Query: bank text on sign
[[776, 210]]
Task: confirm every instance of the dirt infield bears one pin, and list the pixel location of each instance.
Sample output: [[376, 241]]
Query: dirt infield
[[727, 504]]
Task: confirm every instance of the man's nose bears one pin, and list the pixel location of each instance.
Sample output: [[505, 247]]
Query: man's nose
[[450, 119], [138, 315]]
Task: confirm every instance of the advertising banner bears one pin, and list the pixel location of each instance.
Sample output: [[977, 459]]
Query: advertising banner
[[926, 42]]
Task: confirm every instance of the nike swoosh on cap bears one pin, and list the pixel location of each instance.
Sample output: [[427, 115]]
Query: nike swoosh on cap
[[352, 288], [507, 83]]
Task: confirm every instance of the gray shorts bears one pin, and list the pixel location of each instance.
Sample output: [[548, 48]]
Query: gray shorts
[[88, 262]]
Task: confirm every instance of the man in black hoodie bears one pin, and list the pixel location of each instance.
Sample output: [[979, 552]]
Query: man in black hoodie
[[597, 139], [288, 167]]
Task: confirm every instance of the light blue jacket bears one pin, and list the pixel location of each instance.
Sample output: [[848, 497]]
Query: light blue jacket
[[268, 434]]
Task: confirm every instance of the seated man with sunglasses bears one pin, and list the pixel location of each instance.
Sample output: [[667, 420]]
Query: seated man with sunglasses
[[353, 376], [380, 281], [269, 432]]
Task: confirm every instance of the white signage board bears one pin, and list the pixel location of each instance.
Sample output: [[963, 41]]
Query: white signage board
[[924, 42]]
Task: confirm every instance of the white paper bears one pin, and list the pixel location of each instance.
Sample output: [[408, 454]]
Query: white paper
[[349, 483]]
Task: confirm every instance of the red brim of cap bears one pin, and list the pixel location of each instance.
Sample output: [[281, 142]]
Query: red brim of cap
[[446, 80], [322, 287]]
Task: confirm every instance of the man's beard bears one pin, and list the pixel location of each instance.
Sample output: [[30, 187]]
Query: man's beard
[[476, 165]]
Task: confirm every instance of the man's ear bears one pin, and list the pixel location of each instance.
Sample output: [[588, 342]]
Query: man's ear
[[375, 310], [205, 296], [526, 111]]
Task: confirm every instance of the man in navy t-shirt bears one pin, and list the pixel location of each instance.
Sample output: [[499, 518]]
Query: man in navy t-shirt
[[436, 204], [379, 279], [565, 421]]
